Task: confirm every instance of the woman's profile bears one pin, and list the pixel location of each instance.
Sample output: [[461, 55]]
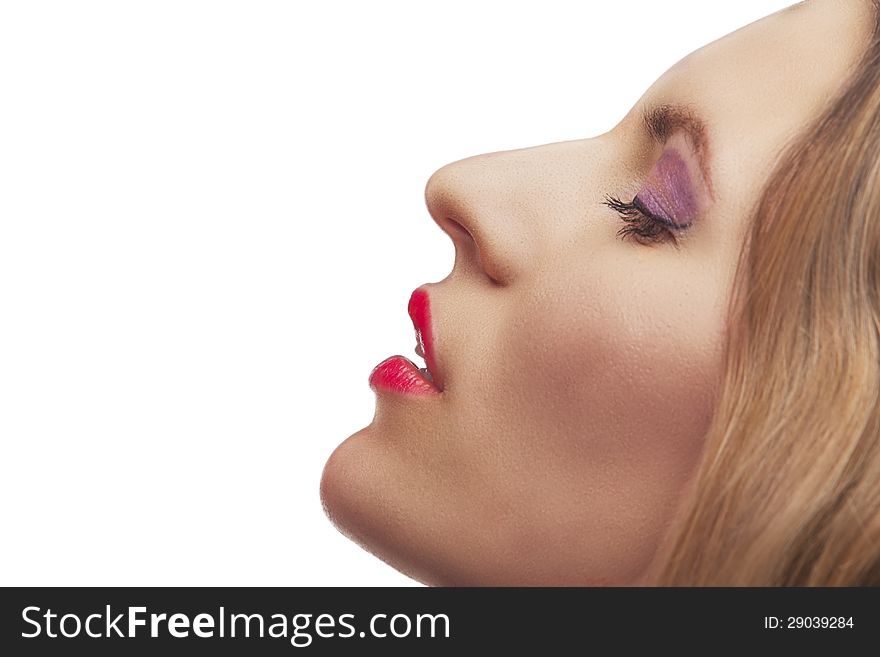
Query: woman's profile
[[656, 360]]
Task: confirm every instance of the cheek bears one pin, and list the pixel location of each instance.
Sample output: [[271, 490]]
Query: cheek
[[620, 368]]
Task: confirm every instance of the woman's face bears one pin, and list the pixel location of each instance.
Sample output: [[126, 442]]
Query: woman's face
[[574, 368]]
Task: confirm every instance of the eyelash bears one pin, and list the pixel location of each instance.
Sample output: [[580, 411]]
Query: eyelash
[[639, 222]]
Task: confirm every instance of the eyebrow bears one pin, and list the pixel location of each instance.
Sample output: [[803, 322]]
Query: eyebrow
[[661, 121]]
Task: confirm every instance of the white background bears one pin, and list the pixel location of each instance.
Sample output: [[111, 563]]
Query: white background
[[211, 218]]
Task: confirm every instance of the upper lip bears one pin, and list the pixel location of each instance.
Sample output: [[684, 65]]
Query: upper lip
[[419, 309]]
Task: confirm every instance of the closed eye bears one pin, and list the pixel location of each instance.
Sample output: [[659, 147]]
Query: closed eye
[[642, 225]]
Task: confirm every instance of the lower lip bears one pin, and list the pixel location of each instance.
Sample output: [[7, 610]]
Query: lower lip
[[399, 374]]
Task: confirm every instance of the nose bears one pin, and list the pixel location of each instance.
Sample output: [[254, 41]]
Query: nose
[[509, 212], [473, 201]]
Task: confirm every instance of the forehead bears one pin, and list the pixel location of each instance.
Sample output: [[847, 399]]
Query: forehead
[[758, 86], [775, 72]]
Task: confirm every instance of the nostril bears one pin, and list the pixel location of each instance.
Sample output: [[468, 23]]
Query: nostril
[[462, 236], [456, 227], [464, 239]]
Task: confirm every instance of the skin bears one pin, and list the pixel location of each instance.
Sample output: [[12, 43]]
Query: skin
[[580, 368]]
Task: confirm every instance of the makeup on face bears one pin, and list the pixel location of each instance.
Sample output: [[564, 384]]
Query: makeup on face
[[399, 374], [669, 193]]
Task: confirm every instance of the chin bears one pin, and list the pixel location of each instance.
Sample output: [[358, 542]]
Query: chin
[[355, 496], [396, 510]]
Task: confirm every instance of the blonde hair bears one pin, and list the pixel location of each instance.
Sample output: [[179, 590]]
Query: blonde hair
[[787, 492]]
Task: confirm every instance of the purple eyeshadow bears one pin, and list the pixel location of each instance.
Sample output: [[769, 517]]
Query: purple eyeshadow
[[668, 193]]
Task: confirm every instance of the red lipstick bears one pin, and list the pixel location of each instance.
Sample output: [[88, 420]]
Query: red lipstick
[[400, 374], [420, 312]]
